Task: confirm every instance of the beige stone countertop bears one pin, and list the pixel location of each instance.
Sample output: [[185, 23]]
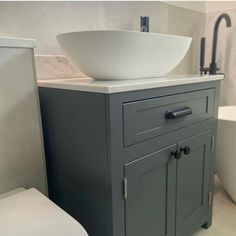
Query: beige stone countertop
[[116, 86]]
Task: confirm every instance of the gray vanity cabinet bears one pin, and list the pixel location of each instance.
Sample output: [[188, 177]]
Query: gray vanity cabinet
[[121, 166], [150, 200]]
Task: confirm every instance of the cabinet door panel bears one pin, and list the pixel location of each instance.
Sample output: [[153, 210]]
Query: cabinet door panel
[[193, 182], [150, 203]]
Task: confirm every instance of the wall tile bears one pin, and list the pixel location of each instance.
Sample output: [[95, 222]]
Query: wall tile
[[126, 15], [187, 23], [44, 20]]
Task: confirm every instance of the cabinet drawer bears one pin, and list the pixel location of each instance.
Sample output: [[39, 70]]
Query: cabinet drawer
[[148, 118]]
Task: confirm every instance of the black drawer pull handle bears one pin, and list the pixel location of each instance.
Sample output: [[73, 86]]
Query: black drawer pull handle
[[178, 112]]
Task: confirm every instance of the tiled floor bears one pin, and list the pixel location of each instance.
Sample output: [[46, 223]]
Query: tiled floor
[[224, 215]]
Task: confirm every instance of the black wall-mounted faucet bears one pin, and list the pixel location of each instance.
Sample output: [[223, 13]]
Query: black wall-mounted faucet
[[144, 23], [213, 66]]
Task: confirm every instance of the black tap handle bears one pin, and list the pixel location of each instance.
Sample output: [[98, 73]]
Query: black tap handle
[[144, 27], [202, 53]]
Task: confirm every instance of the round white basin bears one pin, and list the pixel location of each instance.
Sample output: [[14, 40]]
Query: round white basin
[[114, 55]]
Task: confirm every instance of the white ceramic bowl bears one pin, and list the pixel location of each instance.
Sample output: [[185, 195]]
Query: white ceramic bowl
[[114, 55]]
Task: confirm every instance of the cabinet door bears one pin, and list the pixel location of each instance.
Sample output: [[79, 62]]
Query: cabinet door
[[193, 182], [150, 203]]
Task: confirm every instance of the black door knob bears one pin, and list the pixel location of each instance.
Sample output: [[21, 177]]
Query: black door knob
[[186, 150], [177, 154]]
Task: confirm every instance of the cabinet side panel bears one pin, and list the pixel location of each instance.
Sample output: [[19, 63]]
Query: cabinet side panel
[[74, 128]]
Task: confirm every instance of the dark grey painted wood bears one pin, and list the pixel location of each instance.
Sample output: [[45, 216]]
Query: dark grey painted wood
[[145, 119], [150, 203], [76, 153], [193, 173], [87, 182], [122, 155]]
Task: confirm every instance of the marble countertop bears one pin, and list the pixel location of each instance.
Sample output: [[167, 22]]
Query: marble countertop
[[105, 86], [17, 42]]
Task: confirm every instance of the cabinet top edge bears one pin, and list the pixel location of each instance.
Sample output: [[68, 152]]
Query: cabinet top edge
[[109, 87], [8, 42]]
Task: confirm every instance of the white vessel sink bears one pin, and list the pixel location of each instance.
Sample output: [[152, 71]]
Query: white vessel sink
[[115, 55]]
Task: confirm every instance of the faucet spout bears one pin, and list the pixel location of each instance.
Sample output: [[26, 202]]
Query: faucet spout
[[213, 66]]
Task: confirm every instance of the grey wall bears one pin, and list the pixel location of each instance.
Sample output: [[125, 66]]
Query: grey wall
[[44, 20]]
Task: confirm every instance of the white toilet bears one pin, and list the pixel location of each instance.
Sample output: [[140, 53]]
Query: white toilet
[[29, 213], [226, 149], [25, 211]]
